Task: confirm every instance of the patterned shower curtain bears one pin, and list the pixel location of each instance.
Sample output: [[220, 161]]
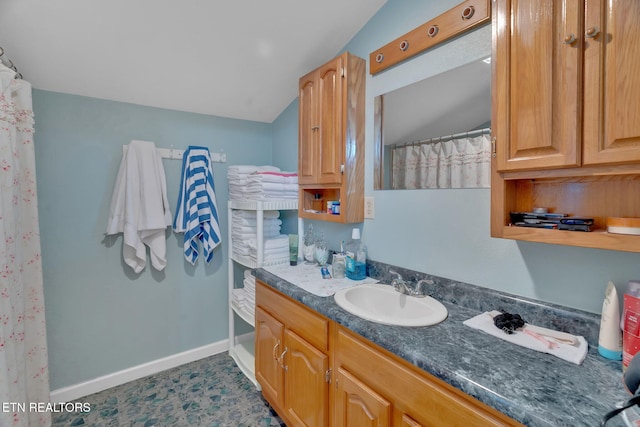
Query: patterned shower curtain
[[457, 163], [24, 373]]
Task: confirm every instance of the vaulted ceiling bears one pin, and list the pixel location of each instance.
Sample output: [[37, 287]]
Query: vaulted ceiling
[[234, 58]]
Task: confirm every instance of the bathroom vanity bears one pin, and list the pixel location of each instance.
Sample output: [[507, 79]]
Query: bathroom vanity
[[320, 365]]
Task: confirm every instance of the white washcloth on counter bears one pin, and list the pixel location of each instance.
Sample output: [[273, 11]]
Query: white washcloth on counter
[[309, 278], [571, 353], [139, 206]]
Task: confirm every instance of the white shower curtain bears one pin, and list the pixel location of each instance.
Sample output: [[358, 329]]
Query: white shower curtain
[[457, 163], [24, 373]]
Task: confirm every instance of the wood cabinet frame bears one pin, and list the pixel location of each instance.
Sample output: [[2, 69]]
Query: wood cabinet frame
[[331, 139], [588, 163]]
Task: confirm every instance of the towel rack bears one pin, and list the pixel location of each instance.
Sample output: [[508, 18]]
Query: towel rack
[[177, 154]]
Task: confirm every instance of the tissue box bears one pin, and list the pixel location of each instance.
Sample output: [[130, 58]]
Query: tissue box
[[631, 330]]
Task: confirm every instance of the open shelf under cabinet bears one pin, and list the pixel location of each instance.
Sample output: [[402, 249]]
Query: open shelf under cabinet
[[592, 196]]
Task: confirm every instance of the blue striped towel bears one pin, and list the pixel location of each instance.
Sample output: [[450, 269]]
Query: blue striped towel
[[197, 211]]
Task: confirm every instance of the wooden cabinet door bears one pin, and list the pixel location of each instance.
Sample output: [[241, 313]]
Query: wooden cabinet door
[[357, 405], [330, 112], [268, 349], [407, 421], [612, 82], [538, 86], [306, 394], [308, 130]]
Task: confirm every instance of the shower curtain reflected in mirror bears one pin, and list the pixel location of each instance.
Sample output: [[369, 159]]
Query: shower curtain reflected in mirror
[[24, 373], [463, 162]]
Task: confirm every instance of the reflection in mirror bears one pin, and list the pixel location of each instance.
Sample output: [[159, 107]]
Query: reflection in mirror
[[435, 133]]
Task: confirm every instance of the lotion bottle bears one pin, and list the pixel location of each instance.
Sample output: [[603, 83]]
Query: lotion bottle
[[610, 340]]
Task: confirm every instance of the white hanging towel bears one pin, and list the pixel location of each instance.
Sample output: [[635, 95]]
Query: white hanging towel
[[139, 206], [197, 210]]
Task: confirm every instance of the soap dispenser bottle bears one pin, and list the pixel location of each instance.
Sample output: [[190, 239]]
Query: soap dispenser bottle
[[356, 253]]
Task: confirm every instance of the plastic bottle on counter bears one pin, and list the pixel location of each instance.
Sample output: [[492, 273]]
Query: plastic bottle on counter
[[356, 257], [610, 339], [630, 323]]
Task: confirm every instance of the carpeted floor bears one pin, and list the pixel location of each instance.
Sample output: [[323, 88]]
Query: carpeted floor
[[211, 392]]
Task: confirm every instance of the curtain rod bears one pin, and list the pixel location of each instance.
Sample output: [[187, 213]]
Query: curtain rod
[[475, 132], [9, 63]]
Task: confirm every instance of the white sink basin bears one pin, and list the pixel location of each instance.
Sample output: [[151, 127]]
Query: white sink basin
[[383, 304]]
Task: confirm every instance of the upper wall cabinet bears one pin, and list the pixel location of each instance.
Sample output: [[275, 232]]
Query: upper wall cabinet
[[566, 85], [611, 82], [566, 102], [331, 140]]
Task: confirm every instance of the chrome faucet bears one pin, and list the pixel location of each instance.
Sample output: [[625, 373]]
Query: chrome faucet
[[418, 290]]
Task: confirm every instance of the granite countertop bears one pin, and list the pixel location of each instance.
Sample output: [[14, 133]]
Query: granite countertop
[[533, 388]]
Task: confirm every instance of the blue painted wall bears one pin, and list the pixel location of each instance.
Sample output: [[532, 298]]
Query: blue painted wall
[[102, 317], [446, 232]]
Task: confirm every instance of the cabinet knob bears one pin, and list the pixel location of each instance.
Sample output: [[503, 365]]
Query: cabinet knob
[[570, 39], [275, 348], [592, 32], [315, 127]]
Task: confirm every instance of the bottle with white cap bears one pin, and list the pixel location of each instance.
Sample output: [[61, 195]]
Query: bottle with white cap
[[356, 257]]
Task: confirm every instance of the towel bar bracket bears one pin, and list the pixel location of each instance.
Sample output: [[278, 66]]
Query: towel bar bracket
[[177, 154]]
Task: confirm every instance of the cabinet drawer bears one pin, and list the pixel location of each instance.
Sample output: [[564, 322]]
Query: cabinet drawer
[[420, 398], [311, 326]]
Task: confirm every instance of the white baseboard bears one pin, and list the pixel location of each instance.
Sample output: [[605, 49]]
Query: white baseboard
[[67, 394]]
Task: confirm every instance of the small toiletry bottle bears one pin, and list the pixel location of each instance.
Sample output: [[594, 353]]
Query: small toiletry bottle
[[317, 203], [630, 323], [356, 257], [293, 249], [610, 340]]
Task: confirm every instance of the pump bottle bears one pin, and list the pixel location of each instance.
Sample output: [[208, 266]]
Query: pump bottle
[[356, 257]]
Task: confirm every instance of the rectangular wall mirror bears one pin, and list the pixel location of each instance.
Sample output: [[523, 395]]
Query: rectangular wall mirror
[[435, 133]]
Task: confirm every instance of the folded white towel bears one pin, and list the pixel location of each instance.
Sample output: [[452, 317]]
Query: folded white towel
[[281, 177], [248, 230], [281, 241], [251, 168], [241, 251], [253, 214], [139, 206], [247, 236], [242, 239], [571, 353], [271, 196], [274, 187], [267, 222]]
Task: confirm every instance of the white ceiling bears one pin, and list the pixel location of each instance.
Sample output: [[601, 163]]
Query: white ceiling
[[234, 58], [455, 101]]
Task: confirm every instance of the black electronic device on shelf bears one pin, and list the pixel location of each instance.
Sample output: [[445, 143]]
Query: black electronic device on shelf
[[555, 221]]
